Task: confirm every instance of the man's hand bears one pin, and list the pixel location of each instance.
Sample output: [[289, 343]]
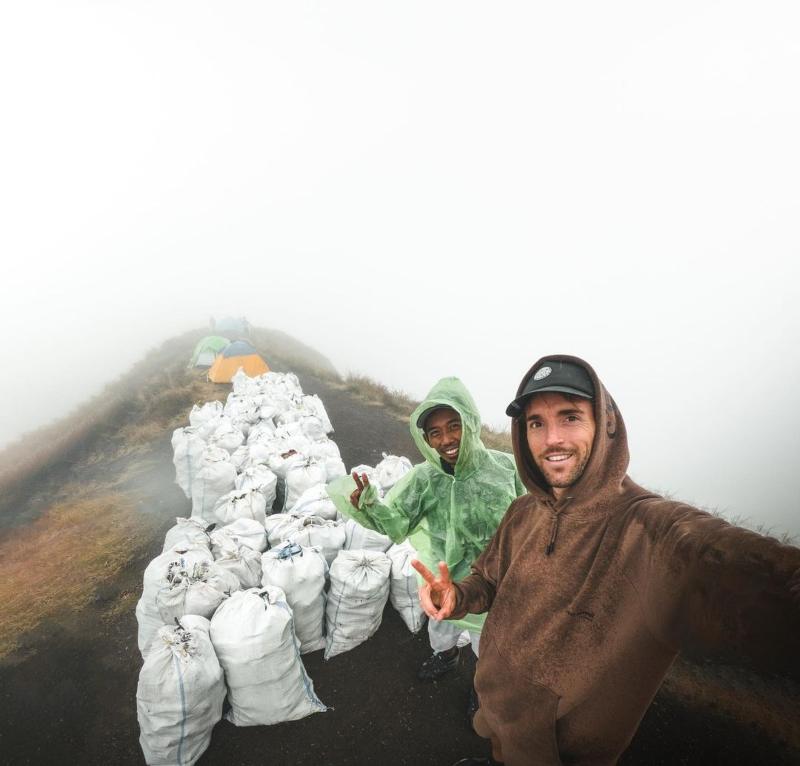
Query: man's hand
[[361, 485], [438, 595]]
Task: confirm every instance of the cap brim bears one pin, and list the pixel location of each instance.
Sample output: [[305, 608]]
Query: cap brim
[[514, 409], [427, 413]]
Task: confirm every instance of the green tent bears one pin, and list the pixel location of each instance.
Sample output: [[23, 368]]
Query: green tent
[[205, 352]]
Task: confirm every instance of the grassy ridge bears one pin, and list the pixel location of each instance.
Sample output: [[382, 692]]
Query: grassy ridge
[[68, 518]]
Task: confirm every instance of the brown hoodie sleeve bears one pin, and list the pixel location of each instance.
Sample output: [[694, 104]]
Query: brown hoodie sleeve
[[712, 589]]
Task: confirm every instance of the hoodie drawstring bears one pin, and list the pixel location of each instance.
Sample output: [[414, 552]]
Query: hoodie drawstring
[[553, 534], [551, 546]]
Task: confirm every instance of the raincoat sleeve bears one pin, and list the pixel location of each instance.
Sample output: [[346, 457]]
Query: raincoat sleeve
[[712, 589], [475, 593], [396, 516]]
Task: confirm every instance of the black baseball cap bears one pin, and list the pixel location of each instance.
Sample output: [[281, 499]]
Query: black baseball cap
[[553, 375], [425, 414]]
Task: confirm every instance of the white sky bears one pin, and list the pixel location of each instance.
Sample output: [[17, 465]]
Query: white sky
[[422, 189]]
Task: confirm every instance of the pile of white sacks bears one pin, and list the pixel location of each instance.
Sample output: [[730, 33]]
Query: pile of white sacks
[[262, 571]]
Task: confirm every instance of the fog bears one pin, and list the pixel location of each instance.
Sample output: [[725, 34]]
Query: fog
[[419, 190]]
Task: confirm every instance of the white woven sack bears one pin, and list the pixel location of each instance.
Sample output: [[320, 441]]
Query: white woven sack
[[242, 532], [253, 635], [295, 439], [242, 384], [240, 457], [360, 538], [326, 452], [242, 562], [315, 502], [323, 448], [264, 430], [288, 416], [404, 590], [326, 535], [280, 465], [358, 593], [241, 504], [279, 402], [300, 477], [216, 477], [300, 573], [187, 532], [259, 453], [200, 415], [390, 470], [233, 404], [279, 526], [187, 454], [197, 589], [334, 468], [267, 412], [147, 614], [312, 427], [242, 425], [314, 404], [180, 694], [260, 479], [226, 436]]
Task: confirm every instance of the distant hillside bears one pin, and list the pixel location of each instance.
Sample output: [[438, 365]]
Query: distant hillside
[[155, 394]]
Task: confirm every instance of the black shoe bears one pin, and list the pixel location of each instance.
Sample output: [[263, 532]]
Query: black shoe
[[437, 665], [472, 706]]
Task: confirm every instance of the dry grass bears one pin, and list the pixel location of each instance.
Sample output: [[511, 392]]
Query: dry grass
[[54, 564]]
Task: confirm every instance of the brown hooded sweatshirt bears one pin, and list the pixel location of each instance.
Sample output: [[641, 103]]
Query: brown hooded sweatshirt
[[593, 595]]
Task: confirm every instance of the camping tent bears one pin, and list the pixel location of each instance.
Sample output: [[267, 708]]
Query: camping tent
[[205, 352], [235, 355]]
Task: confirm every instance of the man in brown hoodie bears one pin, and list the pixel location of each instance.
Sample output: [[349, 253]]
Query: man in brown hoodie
[[595, 584]]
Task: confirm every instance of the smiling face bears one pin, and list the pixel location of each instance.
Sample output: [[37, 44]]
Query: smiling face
[[560, 433], [443, 433]]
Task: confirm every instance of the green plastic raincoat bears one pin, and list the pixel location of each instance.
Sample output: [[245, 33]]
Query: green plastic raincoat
[[447, 518]]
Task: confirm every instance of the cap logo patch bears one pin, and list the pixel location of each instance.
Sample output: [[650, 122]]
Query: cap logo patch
[[542, 372]]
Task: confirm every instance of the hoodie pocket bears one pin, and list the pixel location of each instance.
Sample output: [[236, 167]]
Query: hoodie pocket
[[521, 713]]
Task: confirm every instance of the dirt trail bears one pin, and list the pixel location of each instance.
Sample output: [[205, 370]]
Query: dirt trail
[[69, 696]]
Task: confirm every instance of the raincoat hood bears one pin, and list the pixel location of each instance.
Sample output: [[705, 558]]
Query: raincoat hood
[[451, 392], [605, 474]]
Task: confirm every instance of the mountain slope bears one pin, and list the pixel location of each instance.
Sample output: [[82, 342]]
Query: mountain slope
[[91, 512]]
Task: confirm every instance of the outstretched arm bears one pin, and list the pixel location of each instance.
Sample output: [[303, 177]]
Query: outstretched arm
[[714, 589], [396, 516]]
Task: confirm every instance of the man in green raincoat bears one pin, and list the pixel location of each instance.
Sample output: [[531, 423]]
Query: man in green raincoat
[[448, 507]]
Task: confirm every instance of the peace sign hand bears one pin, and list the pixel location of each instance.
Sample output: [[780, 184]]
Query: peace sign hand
[[438, 595], [361, 485]]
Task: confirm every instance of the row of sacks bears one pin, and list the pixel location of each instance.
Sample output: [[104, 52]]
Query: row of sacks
[[247, 651], [335, 576], [206, 566], [268, 435], [255, 636]]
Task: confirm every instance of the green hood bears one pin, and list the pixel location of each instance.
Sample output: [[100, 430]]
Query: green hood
[[450, 392]]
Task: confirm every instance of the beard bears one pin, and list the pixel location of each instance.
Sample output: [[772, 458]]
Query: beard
[[559, 479]]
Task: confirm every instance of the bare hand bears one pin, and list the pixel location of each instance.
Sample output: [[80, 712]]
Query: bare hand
[[437, 596], [361, 485]]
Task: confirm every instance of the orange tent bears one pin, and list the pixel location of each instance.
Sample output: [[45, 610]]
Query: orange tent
[[235, 355]]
